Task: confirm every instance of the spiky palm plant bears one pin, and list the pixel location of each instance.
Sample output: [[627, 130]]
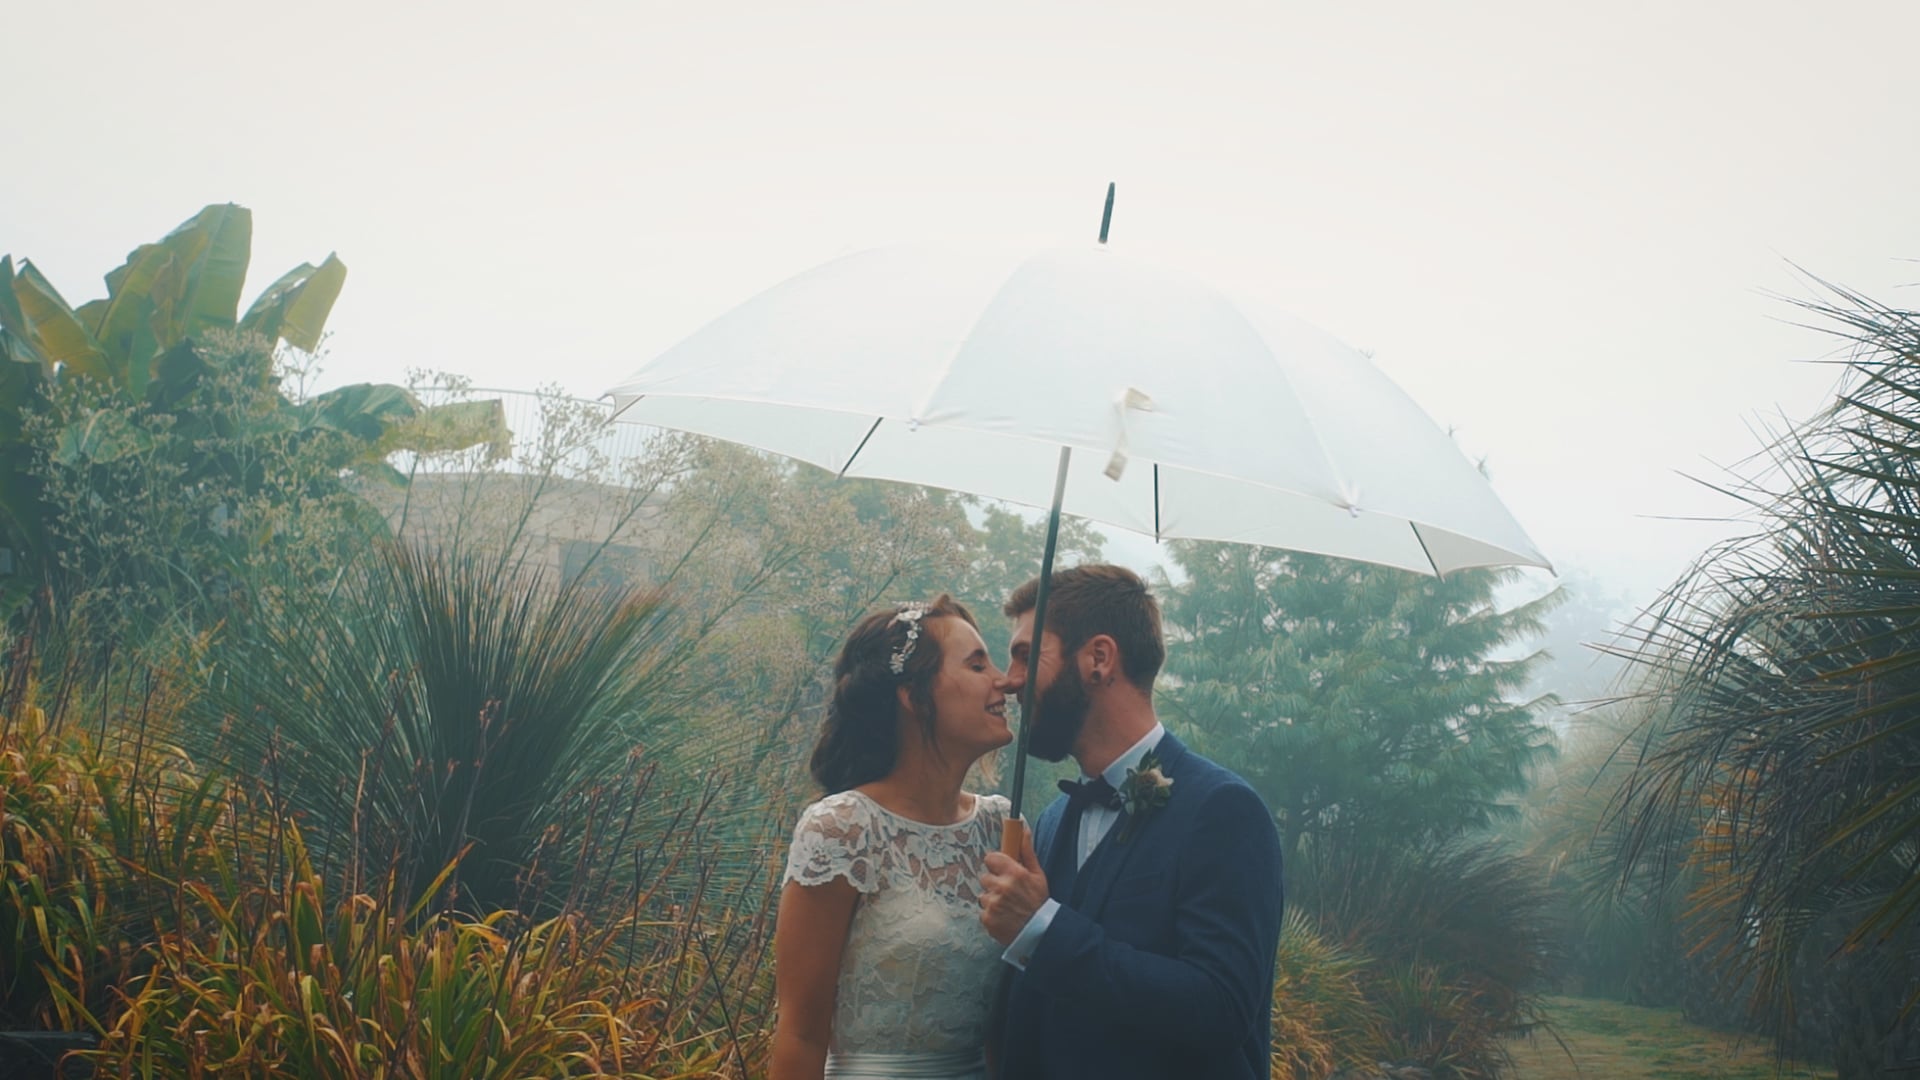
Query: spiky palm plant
[[1322, 1020], [1470, 926], [1783, 765], [445, 706]]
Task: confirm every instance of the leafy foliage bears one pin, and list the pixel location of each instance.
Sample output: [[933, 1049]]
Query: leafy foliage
[[164, 330], [93, 835], [287, 983], [1362, 702], [177, 914], [1462, 941], [187, 518]]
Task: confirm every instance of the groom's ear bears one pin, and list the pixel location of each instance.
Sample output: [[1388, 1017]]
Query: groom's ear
[[1103, 653]]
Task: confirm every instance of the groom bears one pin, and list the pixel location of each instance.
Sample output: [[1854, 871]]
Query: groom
[[1144, 926]]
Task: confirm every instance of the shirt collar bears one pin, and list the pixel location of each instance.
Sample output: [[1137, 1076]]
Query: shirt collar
[[1116, 773]]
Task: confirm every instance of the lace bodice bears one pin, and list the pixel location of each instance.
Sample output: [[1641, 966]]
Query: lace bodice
[[918, 971]]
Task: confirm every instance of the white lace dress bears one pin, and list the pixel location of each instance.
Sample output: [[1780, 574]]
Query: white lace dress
[[918, 973]]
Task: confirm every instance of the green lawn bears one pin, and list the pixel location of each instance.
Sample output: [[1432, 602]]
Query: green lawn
[[1611, 1041]]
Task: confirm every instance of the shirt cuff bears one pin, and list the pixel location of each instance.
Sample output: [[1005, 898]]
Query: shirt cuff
[[1028, 939]]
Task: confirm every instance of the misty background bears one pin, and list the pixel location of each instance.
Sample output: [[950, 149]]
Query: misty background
[[1579, 236], [1558, 227]]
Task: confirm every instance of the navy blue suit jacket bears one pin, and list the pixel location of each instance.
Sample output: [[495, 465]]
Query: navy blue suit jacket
[[1159, 962]]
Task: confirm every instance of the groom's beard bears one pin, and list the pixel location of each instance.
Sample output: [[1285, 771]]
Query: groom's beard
[[1062, 712]]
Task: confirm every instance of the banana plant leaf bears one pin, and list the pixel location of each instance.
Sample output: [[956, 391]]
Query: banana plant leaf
[[450, 427], [295, 308], [221, 239], [19, 385], [51, 327], [92, 314], [139, 318], [143, 339], [362, 410], [15, 343]]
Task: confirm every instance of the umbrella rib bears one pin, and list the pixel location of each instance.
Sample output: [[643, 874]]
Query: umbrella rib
[[1156, 502], [933, 387], [1313, 428], [1422, 541], [848, 464]]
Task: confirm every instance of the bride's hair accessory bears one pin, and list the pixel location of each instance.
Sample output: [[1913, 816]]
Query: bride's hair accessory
[[886, 652], [911, 614]]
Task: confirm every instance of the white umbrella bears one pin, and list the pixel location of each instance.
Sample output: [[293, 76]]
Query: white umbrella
[[970, 370], [984, 371]]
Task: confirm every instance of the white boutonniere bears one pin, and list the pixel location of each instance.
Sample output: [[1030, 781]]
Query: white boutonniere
[[1145, 790]]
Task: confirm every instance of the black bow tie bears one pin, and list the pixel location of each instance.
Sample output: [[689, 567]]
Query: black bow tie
[[1095, 792]]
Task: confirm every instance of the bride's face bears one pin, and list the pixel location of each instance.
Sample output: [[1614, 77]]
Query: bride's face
[[969, 693]]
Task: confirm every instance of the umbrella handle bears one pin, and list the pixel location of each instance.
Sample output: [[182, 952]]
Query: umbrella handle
[[1013, 837]]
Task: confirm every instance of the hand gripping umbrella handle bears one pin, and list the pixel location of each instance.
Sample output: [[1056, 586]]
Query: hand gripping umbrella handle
[[1013, 837]]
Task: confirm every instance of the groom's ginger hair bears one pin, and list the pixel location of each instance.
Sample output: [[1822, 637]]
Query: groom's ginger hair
[[1100, 598]]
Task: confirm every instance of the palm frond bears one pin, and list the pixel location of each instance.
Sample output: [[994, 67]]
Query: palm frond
[[1784, 671]]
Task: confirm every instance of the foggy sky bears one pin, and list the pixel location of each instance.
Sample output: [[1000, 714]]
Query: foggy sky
[[1555, 225]]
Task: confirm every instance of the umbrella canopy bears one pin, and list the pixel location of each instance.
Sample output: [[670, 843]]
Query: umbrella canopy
[[1189, 415]]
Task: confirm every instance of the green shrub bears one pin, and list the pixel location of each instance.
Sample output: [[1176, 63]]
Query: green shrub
[[176, 508], [1453, 1026], [93, 838], [290, 983], [1463, 944], [181, 918], [1322, 1020]]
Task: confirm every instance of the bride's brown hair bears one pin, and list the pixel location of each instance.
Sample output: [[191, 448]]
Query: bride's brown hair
[[860, 740]]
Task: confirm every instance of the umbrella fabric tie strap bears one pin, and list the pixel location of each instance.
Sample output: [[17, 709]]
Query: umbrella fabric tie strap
[[1137, 400]]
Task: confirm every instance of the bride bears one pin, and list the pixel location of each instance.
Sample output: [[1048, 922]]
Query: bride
[[881, 968]]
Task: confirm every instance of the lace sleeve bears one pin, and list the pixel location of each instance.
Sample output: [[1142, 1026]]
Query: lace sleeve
[[993, 818], [834, 839]]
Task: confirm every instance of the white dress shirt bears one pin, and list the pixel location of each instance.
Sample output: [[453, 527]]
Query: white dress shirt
[[1095, 823]]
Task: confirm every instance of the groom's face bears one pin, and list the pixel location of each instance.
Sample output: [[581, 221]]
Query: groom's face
[[1059, 693], [1063, 705]]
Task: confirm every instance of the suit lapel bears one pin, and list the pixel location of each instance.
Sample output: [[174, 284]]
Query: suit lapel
[[1107, 861], [1055, 850]]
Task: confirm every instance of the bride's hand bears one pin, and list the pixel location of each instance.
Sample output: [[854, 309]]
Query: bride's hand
[[1010, 892]]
